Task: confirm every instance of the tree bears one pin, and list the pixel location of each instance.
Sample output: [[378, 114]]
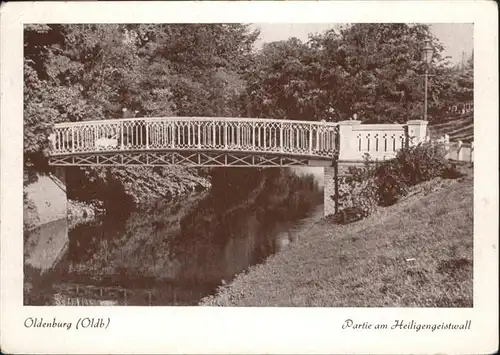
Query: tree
[[92, 72], [380, 70], [206, 61], [39, 111], [372, 70], [454, 86], [282, 82]]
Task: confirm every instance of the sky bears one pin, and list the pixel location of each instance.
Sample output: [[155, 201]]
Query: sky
[[455, 37]]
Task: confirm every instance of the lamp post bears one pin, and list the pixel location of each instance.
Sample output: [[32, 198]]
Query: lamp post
[[427, 52]]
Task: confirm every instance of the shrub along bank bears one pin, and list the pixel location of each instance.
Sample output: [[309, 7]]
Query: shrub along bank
[[376, 184]]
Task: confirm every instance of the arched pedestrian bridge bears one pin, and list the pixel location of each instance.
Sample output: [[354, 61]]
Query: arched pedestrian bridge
[[209, 141]]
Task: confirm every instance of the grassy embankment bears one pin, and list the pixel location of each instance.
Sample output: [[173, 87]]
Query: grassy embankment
[[417, 253]]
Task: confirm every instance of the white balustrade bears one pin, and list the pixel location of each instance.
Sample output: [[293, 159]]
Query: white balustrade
[[350, 139], [297, 138], [379, 141]]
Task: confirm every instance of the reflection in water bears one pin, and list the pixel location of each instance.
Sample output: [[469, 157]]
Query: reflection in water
[[177, 253], [44, 246]]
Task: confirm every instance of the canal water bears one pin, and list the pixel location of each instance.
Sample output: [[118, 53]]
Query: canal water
[[175, 253]]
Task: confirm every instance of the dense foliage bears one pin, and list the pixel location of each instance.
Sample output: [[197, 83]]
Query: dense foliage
[[372, 70], [88, 72], [385, 183]]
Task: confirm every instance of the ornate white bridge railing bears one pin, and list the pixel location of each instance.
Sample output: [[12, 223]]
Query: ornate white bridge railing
[[201, 141], [297, 138]]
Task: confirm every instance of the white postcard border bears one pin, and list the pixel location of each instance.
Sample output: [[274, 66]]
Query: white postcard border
[[251, 330]]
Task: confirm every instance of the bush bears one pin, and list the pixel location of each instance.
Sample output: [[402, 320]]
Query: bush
[[357, 191], [390, 183], [421, 162], [347, 215], [452, 171], [365, 196], [383, 184]]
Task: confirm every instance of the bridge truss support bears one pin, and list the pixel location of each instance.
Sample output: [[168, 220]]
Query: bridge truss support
[[170, 158]]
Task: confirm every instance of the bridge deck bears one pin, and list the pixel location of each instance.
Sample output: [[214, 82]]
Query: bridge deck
[[193, 141], [204, 141]]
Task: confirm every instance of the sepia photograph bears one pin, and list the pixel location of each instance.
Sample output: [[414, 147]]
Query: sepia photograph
[[249, 177], [242, 164]]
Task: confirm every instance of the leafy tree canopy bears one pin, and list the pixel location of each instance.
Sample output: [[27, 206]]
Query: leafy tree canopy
[[91, 72], [372, 70]]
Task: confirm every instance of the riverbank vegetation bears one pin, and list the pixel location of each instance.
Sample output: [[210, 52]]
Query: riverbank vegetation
[[416, 253], [363, 189]]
